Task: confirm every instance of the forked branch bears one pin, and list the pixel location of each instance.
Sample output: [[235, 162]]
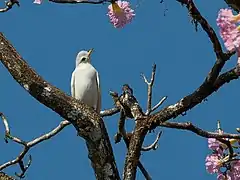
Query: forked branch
[[27, 145]]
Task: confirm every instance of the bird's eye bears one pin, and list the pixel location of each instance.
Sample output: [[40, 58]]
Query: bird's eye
[[84, 59]]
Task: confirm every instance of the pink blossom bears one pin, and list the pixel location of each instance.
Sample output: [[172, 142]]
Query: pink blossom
[[213, 163], [228, 29], [37, 1], [215, 145], [120, 13], [221, 176], [234, 172]]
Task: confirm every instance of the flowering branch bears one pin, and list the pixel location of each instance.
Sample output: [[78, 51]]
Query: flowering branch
[[9, 4]]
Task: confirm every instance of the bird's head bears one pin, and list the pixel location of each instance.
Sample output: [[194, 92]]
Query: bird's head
[[83, 57]]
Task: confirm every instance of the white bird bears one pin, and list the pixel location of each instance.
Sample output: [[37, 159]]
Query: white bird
[[85, 81]]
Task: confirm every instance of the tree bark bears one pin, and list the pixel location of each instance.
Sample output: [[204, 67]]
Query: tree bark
[[4, 176]]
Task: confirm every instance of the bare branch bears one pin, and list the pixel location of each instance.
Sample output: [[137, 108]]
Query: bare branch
[[190, 127], [154, 145], [191, 100], [7, 129], [24, 168], [8, 5], [29, 145], [7, 132], [85, 120], [49, 135], [150, 86], [110, 112], [159, 103]]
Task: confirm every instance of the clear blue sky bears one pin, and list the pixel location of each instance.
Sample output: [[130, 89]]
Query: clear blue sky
[[48, 37]]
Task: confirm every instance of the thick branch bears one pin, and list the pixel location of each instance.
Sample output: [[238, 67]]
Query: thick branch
[[87, 122], [126, 137], [191, 100], [4, 176]]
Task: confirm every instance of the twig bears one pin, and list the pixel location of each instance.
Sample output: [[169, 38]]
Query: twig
[[7, 132], [28, 145], [190, 127], [154, 145], [7, 129], [150, 85], [52, 133], [24, 168], [110, 112], [159, 104], [9, 4], [79, 1]]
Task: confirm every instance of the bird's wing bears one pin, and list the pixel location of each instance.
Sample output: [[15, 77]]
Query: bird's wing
[[99, 101], [73, 84]]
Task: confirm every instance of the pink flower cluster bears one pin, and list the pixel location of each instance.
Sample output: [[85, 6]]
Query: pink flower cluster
[[218, 163], [229, 30], [37, 1], [120, 13]]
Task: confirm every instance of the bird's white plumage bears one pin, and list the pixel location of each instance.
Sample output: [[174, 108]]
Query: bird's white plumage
[[85, 84]]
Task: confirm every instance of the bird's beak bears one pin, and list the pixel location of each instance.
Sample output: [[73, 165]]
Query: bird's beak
[[90, 52]]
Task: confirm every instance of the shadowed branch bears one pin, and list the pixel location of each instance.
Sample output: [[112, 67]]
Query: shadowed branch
[[8, 5]]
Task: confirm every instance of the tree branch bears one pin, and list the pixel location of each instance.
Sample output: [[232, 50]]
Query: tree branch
[[190, 127], [150, 86], [126, 137], [8, 5], [154, 145], [27, 145], [110, 112], [4, 176], [87, 122], [234, 4]]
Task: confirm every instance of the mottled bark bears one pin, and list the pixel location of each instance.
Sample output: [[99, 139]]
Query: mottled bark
[[87, 122], [4, 176]]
